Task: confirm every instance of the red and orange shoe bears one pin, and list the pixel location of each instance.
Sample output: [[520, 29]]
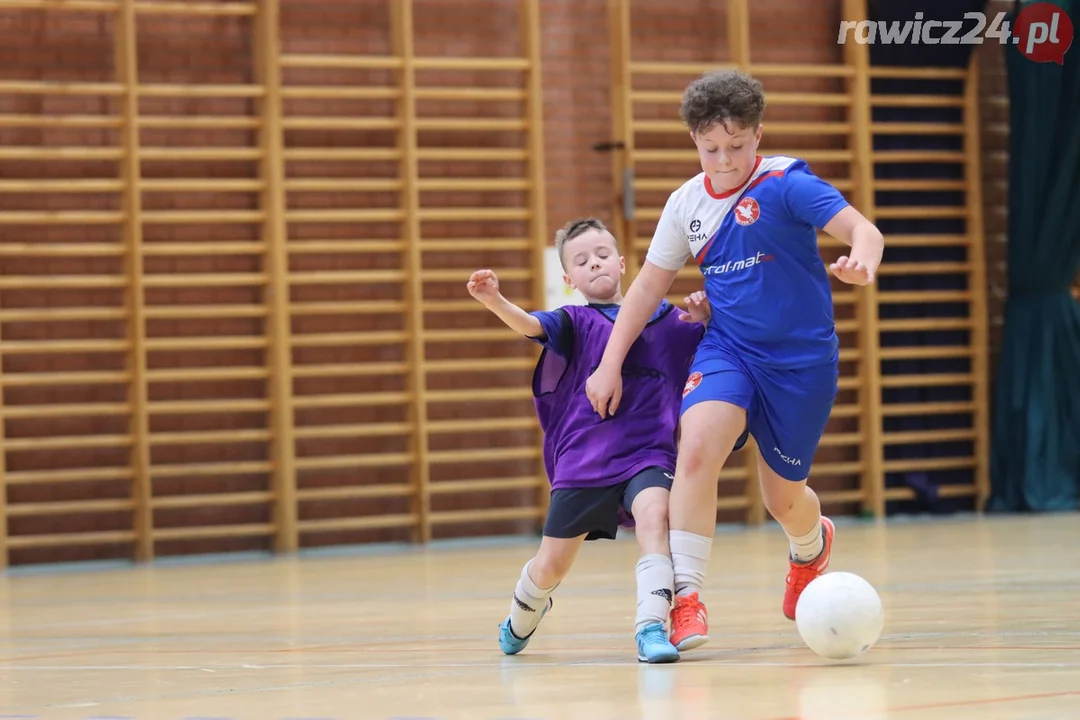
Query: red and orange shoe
[[800, 574], [689, 622]]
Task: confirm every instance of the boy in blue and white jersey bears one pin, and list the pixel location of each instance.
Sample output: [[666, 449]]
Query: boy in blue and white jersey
[[768, 364]]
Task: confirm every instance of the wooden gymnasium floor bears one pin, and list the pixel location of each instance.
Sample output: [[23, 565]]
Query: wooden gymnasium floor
[[982, 621]]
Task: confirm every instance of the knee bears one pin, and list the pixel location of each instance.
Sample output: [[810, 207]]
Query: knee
[[652, 518], [786, 501], [546, 569]]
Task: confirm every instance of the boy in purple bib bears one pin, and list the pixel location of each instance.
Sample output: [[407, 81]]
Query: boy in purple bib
[[603, 472]]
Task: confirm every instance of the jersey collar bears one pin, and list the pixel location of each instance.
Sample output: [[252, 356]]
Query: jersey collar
[[720, 196]]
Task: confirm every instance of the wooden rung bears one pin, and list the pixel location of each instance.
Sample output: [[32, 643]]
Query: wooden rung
[[62, 249], [215, 122], [328, 277], [90, 377], [354, 461], [342, 154], [206, 374], [216, 469], [30, 477], [256, 497], [903, 185], [472, 124], [923, 296], [62, 217], [30, 347], [928, 464], [927, 408], [909, 324], [475, 243], [347, 307], [917, 73], [924, 268], [478, 394], [195, 280], [925, 352], [846, 411], [378, 399], [382, 429], [209, 436], [191, 407], [470, 93], [203, 249], [662, 156], [354, 246], [474, 184], [204, 311], [919, 213], [814, 155], [843, 326], [357, 523], [69, 441], [199, 153], [213, 531], [86, 185], [927, 380], [341, 123], [840, 439], [473, 214], [474, 334], [61, 410], [458, 306], [372, 215], [341, 93], [838, 468], [928, 436], [918, 156], [485, 485], [200, 185], [458, 517], [104, 537], [472, 154], [490, 424], [297, 60], [842, 496], [33, 87], [470, 63], [351, 370], [205, 343], [157, 7], [70, 507], [201, 91], [343, 184], [916, 128], [169, 217], [352, 492], [916, 101], [60, 121], [73, 5], [927, 240], [483, 454], [63, 314], [848, 383]]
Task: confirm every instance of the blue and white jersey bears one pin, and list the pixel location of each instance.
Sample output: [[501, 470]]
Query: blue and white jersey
[[757, 249]]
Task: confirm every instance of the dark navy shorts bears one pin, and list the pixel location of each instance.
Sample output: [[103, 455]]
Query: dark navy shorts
[[786, 410], [598, 512]]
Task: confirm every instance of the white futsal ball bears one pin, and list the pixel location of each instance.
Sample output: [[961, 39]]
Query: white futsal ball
[[839, 615]]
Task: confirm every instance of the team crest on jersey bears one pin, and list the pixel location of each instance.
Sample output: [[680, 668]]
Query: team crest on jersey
[[747, 211], [691, 383]]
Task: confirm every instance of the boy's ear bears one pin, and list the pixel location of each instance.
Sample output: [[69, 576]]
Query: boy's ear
[[622, 265], [569, 283]]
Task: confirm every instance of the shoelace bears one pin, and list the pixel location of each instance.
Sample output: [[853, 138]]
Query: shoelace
[[800, 577], [686, 612]]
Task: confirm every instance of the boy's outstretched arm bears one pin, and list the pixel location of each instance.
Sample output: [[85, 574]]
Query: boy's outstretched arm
[[484, 286], [604, 387], [860, 266]]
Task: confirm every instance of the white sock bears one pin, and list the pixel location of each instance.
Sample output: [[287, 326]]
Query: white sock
[[690, 556], [527, 603], [655, 590], [806, 548]]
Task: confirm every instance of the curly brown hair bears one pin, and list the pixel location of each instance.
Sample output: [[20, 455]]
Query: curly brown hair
[[720, 97]]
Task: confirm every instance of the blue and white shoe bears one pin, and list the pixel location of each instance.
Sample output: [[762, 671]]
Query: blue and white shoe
[[510, 643], [653, 645]]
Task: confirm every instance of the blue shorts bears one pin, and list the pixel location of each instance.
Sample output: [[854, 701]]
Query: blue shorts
[[786, 410]]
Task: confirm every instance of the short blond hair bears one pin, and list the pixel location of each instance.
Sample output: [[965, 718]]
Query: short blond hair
[[573, 229]]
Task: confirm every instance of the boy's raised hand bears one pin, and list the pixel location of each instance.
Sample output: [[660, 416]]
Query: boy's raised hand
[[852, 271], [697, 308], [484, 286]]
